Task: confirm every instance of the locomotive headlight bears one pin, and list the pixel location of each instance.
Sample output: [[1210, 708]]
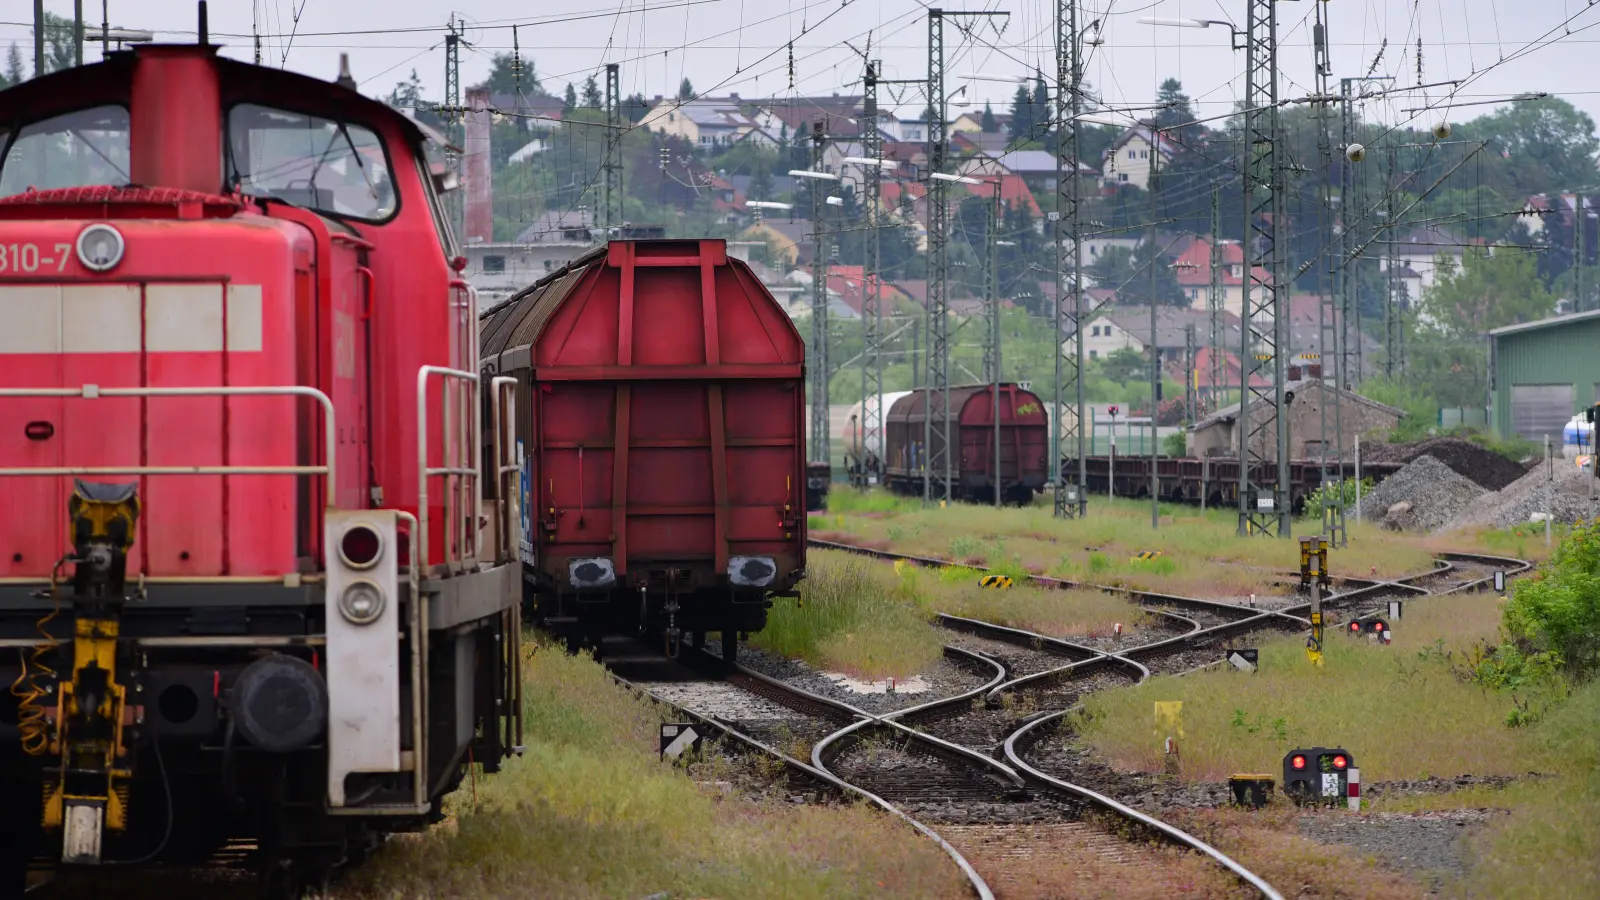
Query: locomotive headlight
[[100, 248], [361, 603]]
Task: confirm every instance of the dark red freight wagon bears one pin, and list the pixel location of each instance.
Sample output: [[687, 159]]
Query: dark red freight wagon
[[1024, 444], [660, 417]]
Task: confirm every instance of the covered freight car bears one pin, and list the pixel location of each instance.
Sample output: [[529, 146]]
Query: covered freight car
[[1024, 458], [661, 447]]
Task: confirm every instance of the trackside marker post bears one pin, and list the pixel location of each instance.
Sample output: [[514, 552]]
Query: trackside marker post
[[1354, 787]]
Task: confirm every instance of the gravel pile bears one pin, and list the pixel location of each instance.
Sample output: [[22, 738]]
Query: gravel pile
[[1517, 503], [1423, 496], [1487, 469]]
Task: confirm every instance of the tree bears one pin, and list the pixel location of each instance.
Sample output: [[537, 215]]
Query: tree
[[1022, 123], [502, 80], [635, 108], [592, 98], [989, 125], [1128, 273], [570, 101], [1552, 145], [1485, 292], [15, 72], [685, 90]]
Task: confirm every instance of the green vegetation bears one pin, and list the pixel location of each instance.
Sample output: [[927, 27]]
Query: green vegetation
[[1407, 710], [853, 616], [1556, 615], [590, 812], [1201, 554], [1344, 492]]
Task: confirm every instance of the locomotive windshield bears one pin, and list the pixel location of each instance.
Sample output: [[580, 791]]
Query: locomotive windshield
[[75, 149], [338, 168]]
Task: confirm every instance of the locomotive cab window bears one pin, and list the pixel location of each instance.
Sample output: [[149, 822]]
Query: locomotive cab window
[[337, 168], [75, 149]]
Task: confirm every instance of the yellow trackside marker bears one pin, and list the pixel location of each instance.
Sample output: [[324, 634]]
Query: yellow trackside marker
[[1169, 718], [996, 581], [899, 567]]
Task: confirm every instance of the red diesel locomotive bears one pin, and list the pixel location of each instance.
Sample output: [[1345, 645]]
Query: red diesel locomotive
[[251, 602], [660, 438]]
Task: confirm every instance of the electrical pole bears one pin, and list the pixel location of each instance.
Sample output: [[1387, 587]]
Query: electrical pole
[[1214, 303], [1394, 362], [452, 102], [1191, 394], [818, 357], [1070, 501], [38, 38], [77, 32], [991, 349], [611, 216], [1328, 313], [1577, 252], [936, 408], [1155, 336], [1352, 209], [938, 322], [871, 310], [1261, 410]]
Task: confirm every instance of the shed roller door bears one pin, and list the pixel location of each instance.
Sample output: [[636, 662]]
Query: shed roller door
[[1540, 409]]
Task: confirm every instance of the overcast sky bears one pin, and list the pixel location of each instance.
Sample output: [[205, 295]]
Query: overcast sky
[[742, 45]]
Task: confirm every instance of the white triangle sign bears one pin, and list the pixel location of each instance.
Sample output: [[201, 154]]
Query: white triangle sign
[[1240, 662], [682, 742]]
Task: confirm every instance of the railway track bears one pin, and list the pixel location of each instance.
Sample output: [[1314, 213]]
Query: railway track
[[1046, 677]]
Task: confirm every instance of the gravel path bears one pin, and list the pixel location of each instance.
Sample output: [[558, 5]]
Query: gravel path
[[1428, 847]]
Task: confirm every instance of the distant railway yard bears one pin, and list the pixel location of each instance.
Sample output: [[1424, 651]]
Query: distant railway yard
[[904, 730]]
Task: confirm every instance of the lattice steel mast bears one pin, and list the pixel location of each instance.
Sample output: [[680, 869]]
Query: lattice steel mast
[[1070, 500], [871, 426], [817, 358], [1262, 425], [1352, 210], [611, 216], [936, 408], [1394, 334], [1214, 302], [1328, 312], [453, 120]]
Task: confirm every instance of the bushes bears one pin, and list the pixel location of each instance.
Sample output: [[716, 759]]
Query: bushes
[[1318, 499], [1557, 612]]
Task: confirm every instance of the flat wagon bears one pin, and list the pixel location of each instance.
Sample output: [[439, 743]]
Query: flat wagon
[[1024, 441], [661, 442]]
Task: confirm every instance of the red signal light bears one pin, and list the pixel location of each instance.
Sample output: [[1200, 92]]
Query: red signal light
[[360, 546], [1355, 626], [1340, 762], [1377, 626], [1298, 761]]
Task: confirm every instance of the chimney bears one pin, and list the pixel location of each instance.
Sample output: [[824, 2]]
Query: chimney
[[1292, 373], [479, 207], [345, 79]]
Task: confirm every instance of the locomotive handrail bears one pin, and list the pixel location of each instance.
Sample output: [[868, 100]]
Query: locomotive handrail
[[94, 392], [419, 660], [502, 410], [460, 537]]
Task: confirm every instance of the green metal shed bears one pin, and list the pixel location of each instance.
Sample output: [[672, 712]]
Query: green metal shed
[[1542, 373]]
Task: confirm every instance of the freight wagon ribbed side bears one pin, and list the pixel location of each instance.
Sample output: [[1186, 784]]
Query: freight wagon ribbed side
[[1024, 455], [661, 449]]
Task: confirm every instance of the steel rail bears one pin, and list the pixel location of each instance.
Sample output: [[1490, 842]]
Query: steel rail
[[974, 880], [1171, 832]]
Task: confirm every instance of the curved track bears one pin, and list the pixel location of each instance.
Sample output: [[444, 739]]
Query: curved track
[[993, 728]]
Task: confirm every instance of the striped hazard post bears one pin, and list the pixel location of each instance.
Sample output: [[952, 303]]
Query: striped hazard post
[[1354, 785], [996, 581]]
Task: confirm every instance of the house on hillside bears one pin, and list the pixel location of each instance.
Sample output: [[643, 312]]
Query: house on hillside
[[979, 143], [1036, 167], [535, 111], [1127, 160], [788, 239], [1128, 328], [1192, 268], [1305, 394], [705, 122], [1419, 250], [851, 286]]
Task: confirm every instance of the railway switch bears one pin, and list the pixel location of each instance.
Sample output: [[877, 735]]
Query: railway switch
[[1317, 775]]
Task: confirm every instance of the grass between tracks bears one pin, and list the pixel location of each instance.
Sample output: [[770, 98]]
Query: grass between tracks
[[1202, 555], [589, 811], [874, 620], [1405, 711]]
